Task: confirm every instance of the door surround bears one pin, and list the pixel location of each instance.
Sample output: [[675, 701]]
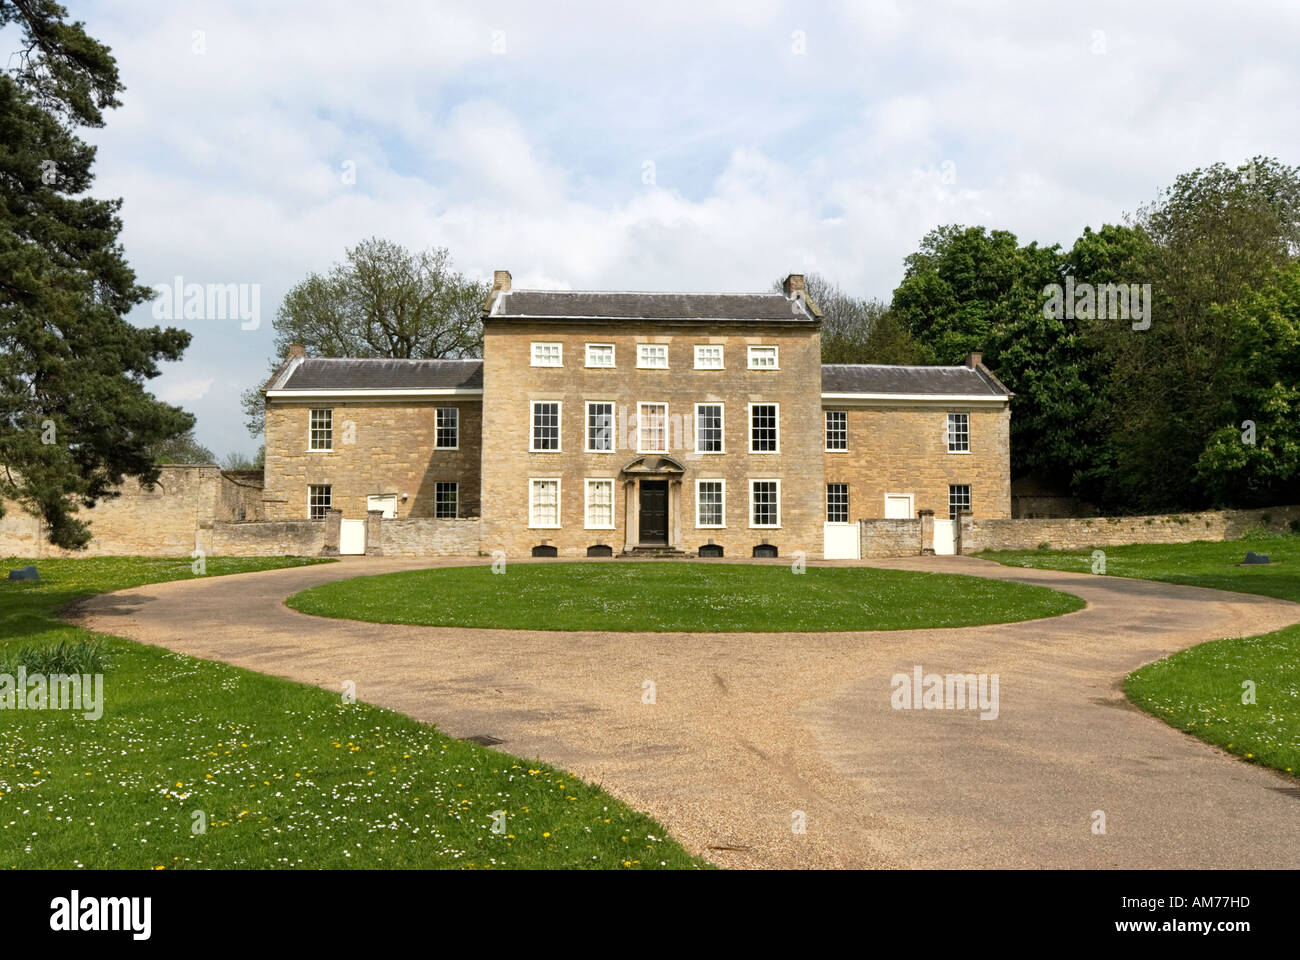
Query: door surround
[[653, 467]]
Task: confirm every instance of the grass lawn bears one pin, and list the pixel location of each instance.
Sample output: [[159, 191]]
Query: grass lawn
[[1199, 690], [673, 596], [286, 775]]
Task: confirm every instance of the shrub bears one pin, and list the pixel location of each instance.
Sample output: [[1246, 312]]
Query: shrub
[[83, 656]]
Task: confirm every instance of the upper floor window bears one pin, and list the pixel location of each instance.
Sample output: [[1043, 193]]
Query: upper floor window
[[652, 427], [708, 428], [600, 427], [448, 429], [546, 425], [762, 358], [600, 354], [708, 356], [837, 430], [652, 356], [764, 428], [547, 355], [321, 433], [959, 433]]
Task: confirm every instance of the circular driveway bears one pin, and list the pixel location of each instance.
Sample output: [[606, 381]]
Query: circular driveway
[[751, 735]]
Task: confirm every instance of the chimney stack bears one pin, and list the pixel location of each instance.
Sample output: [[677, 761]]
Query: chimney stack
[[296, 350], [792, 283], [973, 360], [501, 280]]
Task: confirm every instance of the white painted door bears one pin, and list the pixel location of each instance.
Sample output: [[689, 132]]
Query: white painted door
[[386, 503], [352, 537], [945, 543], [841, 542], [898, 506]]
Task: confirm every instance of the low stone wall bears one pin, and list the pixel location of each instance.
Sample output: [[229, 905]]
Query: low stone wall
[[425, 537], [891, 538], [265, 538], [1080, 533]]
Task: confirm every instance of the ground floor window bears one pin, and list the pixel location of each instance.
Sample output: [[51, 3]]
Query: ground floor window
[[446, 500], [600, 504], [958, 499], [765, 503], [544, 503], [710, 502], [837, 503], [319, 498]]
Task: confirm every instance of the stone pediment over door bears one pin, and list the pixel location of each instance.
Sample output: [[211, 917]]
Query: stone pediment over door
[[654, 465]]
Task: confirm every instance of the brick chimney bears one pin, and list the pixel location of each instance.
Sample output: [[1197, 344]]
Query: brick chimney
[[792, 283], [973, 360], [501, 280], [296, 350]]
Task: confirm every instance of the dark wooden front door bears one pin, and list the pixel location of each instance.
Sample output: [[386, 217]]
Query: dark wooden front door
[[654, 511]]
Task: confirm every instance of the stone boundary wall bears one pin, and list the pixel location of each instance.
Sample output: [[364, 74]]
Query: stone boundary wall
[[422, 537], [891, 538], [165, 521], [266, 538], [1080, 533]]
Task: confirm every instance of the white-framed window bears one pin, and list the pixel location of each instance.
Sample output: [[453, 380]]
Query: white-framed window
[[652, 356], [600, 426], [764, 428], [762, 358], [545, 435], [600, 354], [446, 500], [708, 356], [319, 500], [599, 507], [765, 503], [708, 428], [958, 499], [837, 503], [837, 430], [448, 429], [544, 502], [320, 433], [959, 433], [652, 428], [547, 354], [710, 503]]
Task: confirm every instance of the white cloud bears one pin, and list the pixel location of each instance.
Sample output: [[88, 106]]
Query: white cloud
[[766, 160]]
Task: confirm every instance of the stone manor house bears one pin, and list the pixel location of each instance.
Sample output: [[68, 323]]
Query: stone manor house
[[602, 423]]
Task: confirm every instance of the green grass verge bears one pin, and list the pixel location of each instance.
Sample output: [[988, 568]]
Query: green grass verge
[[674, 596], [1199, 690], [285, 775]]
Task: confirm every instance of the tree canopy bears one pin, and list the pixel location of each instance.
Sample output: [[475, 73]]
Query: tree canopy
[[75, 416], [382, 300]]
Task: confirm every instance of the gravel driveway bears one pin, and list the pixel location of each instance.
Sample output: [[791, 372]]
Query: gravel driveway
[[751, 731]]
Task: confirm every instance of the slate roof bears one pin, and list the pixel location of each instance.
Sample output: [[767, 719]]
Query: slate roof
[[625, 305], [934, 381], [329, 373]]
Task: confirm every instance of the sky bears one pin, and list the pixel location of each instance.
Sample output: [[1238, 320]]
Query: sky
[[700, 146]]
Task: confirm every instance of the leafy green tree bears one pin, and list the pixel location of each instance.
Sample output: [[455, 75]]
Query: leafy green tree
[[75, 417], [383, 300], [1253, 458], [184, 448], [857, 329], [1215, 235]]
